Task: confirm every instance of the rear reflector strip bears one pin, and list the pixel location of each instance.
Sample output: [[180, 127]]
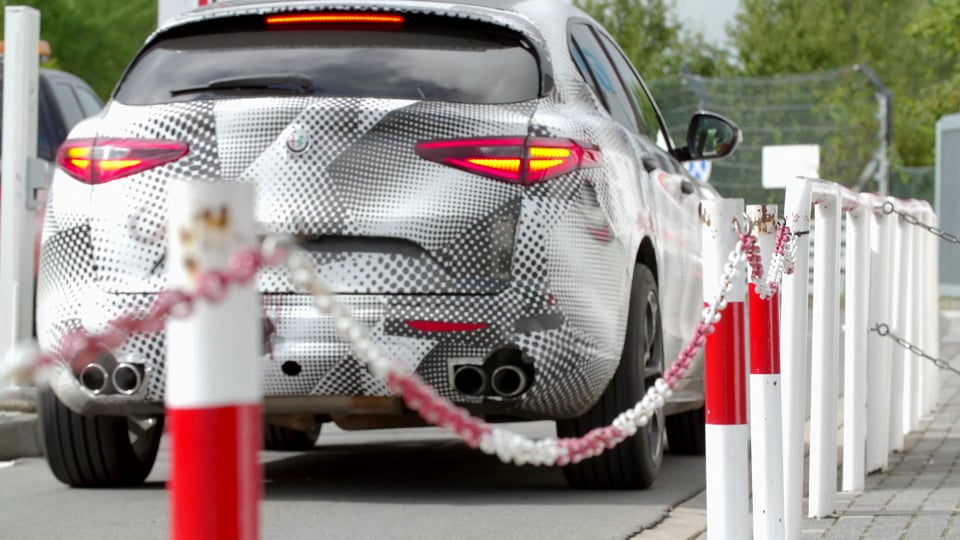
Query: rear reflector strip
[[445, 326]]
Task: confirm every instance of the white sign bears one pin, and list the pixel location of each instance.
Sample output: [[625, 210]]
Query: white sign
[[699, 169], [783, 163]]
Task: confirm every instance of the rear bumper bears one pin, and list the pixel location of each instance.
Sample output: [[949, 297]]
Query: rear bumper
[[305, 367]]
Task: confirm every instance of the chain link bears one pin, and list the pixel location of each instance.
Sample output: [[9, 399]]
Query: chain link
[[884, 331], [888, 208]]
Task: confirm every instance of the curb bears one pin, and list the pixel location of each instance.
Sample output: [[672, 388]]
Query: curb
[[19, 436]]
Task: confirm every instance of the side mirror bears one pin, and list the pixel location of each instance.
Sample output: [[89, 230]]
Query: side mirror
[[711, 136]]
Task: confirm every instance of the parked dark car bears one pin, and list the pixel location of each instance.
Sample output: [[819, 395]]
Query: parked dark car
[[488, 184]]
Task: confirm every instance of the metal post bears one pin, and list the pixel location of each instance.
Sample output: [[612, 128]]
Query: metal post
[[727, 432], [857, 295], [931, 266], [912, 397], [898, 319], [766, 430], [793, 356], [826, 353], [20, 65], [213, 379], [879, 348]]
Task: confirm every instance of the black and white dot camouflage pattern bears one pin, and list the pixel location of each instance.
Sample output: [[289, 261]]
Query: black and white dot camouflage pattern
[[398, 237]]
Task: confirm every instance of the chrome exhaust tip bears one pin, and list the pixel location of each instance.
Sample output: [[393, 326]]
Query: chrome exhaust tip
[[509, 381], [470, 380], [94, 378], [126, 378]]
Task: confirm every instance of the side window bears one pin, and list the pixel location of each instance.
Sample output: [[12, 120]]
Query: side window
[[89, 102], [68, 104], [648, 114], [600, 74]]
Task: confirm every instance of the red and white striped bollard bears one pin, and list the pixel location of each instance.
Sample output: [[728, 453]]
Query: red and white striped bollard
[[213, 390], [725, 379], [766, 432]]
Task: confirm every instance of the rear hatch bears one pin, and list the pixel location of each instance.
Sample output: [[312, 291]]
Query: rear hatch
[[395, 148]]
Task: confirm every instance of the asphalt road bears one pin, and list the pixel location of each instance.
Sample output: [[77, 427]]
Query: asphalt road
[[390, 484]]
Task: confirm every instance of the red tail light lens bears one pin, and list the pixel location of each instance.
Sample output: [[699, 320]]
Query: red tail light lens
[[98, 161], [516, 160], [336, 18]]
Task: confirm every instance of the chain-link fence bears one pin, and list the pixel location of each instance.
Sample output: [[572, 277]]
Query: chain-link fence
[[840, 110]]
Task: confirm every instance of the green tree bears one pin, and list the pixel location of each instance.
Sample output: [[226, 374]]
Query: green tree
[[776, 37], [95, 39], [653, 39], [935, 31]]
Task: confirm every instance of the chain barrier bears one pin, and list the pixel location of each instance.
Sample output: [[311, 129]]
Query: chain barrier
[[78, 346], [889, 208], [884, 331], [782, 261]]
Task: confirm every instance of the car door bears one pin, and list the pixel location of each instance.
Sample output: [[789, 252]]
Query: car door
[[678, 199]]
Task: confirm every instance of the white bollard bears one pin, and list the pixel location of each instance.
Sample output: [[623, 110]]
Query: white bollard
[[857, 296], [826, 352], [793, 356], [766, 431], [931, 270], [882, 258], [20, 68], [727, 432], [911, 404], [213, 389], [901, 254]]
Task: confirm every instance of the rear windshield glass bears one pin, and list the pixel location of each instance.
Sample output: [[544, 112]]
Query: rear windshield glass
[[465, 68]]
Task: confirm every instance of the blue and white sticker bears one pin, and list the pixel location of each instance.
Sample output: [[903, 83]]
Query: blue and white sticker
[[699, 169]]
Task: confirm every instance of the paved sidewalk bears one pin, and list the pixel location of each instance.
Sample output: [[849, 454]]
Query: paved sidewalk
[[919, 497]]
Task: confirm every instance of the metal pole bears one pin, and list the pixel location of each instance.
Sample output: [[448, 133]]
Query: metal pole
[[898, 319], [728, 489], [213, 389], [912, 397], [793, 356], [857, 297], [766, 430], [879, 348], [826, 353], [20, 68], [931, 269]]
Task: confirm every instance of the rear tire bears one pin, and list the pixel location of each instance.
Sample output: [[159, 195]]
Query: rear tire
[[634, 463], [686, 433], [289, 440], [97, 451]]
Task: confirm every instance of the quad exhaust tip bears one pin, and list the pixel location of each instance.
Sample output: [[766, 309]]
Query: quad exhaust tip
[[126, 378], [94, 378], [107, 376], [509, 381], [471, 380], [504, 373]]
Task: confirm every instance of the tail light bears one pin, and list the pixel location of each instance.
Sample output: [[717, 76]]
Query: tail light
[[518, 160], [98, 161], [388, 19]]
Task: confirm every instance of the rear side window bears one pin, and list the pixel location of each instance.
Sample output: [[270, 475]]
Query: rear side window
[[596, 69], [421, 62]]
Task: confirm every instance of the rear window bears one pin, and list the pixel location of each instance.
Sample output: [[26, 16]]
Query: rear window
[[453, 64]]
